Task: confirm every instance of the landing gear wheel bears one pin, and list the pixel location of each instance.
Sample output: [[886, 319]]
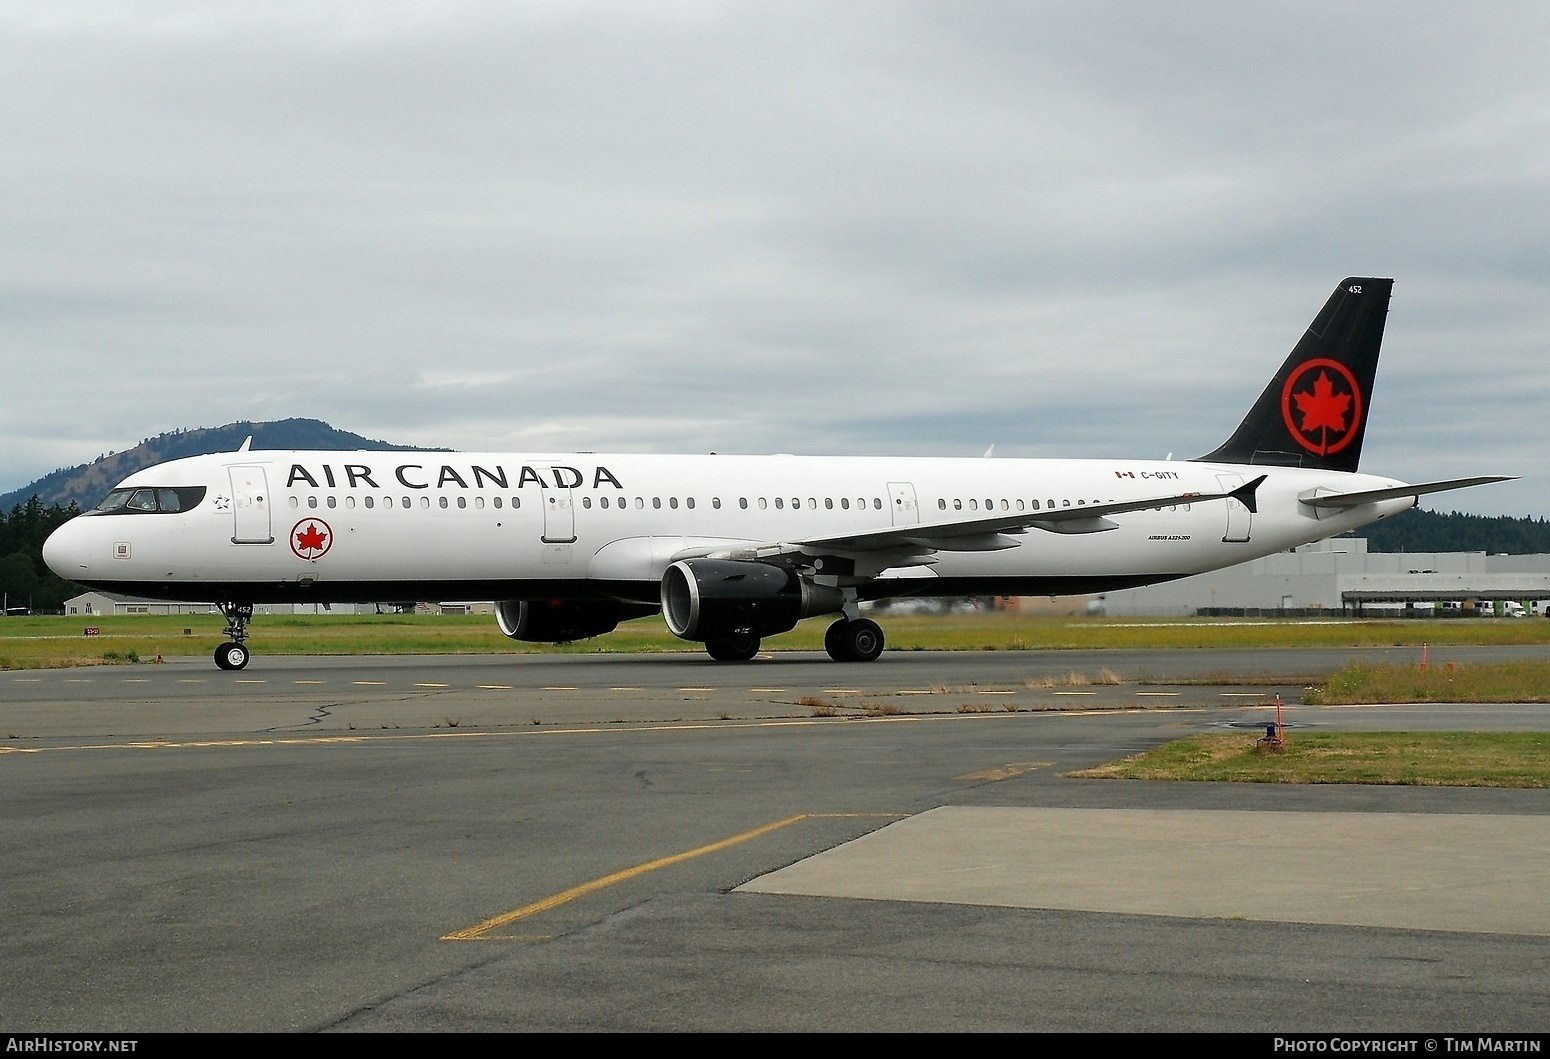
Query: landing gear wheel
[[231, 655], [737, 649], [834, 641], [861, 640]]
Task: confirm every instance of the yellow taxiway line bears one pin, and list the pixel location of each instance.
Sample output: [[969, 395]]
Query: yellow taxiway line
[[481, 931]]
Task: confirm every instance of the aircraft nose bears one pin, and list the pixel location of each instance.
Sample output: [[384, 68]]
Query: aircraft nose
[[67, 550]]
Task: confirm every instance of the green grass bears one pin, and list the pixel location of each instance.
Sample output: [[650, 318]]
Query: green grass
[[1430, 759], [58, 641], [1527, 680]]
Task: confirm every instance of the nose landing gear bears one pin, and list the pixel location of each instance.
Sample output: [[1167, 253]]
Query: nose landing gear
[[233, 654]]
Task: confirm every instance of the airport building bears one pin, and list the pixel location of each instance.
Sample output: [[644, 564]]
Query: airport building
[[105, 603], [1340, 576]]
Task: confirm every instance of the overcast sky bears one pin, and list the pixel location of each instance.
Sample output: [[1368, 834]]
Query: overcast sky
[[1075, 229]]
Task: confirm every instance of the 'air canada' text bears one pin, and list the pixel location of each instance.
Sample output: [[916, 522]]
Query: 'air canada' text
[[472, 476]]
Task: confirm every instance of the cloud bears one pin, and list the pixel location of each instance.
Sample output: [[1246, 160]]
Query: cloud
[[848, 228]]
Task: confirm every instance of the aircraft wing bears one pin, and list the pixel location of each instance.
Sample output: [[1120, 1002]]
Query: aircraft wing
[[1372, 496], [991, 532]]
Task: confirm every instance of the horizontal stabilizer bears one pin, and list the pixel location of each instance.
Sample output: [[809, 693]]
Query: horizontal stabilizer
[[1373, 496]]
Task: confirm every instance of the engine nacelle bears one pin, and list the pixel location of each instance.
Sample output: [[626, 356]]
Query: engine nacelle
[[564, 620], [716, 599]]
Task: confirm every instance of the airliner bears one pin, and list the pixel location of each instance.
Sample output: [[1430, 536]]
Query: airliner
[[732, 549]]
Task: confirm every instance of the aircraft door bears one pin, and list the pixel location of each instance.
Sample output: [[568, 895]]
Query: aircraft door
[[559, 517], [1239, 518], [250, 504], [901, 501]]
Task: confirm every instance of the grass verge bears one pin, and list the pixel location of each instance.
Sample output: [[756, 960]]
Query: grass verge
[[1428, 759], [1527, 680], [37, 642]]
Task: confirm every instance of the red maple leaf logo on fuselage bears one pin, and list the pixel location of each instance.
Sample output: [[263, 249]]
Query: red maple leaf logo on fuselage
[[311, 538]]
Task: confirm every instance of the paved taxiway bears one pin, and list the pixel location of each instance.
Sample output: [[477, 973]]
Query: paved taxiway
[[343, 855]]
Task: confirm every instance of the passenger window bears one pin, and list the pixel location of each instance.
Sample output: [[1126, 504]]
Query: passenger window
[[974, 505], [780, 503], [742, 502], [640, 502], [763, 503], [715, 502], [672, 502], [442, 501], [845, 502], [1019, 505], [479, 502], [332, 502], [370, 502], [312, 501], [796, 502], [656, 501], [349, 501], [877, 503], [462, 501], [689, 503], [496, 501], [586, 501], [425, 502], [941, 505], [295, 502], [957, 505]]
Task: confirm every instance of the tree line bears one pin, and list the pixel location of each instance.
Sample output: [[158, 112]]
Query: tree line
[[24, 579], [1419, 530]]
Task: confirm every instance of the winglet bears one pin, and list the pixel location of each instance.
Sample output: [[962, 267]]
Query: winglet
[[1244, 494], [246, 444]]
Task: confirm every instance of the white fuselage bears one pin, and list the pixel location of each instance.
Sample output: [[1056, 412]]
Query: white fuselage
[[393, 525]]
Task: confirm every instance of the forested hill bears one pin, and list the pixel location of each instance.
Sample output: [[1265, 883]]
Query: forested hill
[[1419, 530], [88, 483]]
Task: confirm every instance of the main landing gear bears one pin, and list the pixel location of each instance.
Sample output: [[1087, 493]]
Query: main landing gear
[[233, 654], [858, 640]]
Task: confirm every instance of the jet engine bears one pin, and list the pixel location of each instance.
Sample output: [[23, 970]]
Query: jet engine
[[564, 620], [714, 600]]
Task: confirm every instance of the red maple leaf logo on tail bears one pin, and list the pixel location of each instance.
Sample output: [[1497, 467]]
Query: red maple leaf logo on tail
[[1323, 407], [1326, 418]]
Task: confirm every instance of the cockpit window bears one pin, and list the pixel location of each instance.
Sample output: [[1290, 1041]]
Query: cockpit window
[[150, 501]]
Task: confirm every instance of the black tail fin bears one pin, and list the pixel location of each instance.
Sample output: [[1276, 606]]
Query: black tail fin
[[1314, 412]]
